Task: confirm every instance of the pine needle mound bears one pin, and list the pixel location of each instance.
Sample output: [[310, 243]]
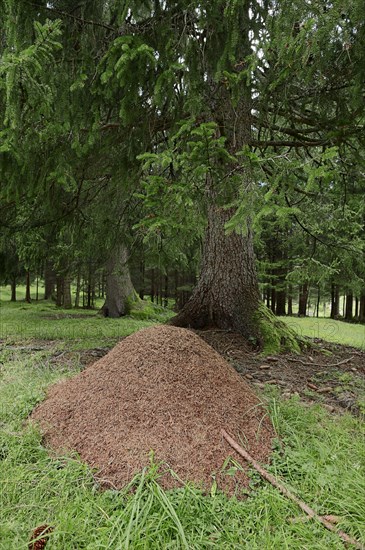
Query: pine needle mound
[[162, 389]]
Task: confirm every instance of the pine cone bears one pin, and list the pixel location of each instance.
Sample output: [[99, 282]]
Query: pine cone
[[39, 543]]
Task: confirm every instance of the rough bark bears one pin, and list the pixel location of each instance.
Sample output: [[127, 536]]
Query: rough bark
[[226, 295], [120, 292]]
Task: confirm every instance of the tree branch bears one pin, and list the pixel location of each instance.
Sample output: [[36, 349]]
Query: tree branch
[[284, 491], [74, 17]]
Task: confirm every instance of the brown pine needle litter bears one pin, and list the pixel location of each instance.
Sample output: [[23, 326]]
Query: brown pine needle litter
[[162, 389]]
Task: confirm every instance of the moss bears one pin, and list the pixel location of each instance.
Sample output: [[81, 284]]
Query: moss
[[276, 335], [145, 310], [132, 302]]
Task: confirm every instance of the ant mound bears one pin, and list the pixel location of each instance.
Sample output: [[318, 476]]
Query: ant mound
[[162, 389]]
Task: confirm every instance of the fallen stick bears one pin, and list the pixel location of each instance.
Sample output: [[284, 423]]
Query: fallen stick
[[304, 519], [283, 490], [320, 364]]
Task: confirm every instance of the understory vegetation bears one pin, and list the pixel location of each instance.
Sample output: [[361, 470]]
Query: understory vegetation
[[317, 455]]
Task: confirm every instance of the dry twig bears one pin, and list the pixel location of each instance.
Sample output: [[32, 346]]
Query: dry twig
[[320, 364], [283, 490]]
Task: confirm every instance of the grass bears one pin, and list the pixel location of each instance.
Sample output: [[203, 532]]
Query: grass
[[318, 456], [348, 334], [77, 329]]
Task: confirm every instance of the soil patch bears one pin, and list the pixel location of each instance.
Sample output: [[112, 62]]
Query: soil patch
[[165, 389], [330, 374]]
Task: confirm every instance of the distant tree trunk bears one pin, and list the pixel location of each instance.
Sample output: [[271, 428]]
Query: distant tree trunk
[[166, 292], [120, 292], [142, 282], [49, 281], [67, 301], [349, 306], [78, 286], [90, 284], [362, 307], [335, 301], [318, 300], [37, 289], [303, 299], [27, 288], [59, 290], [13, 289], [153, 290], [290, 300], [103, 284], [160, 290], [357, 307], [280, 302], [268, 295], [226, 295], [273, 298]]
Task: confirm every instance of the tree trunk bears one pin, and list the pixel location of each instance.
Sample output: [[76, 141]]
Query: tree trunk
[[67, 301], [13, 289], [318, 300], [290, 300], [120, 292], [49, 281], [27, 288], [226, 295], [362, 307], [303, 299], [268, 295], [152, 285], [78, 285], [166, 292], [142, 279], [59, 290], [273, 297], [357, 307], [349, 306], [280, 302], [335, 301]]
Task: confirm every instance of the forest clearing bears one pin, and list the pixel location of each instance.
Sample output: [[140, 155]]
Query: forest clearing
[[182, 274]]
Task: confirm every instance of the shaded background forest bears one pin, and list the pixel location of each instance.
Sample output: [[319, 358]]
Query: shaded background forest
[[106, 149]]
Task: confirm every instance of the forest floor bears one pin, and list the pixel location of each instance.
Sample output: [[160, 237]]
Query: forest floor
[[330, 374], [316, 404]]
